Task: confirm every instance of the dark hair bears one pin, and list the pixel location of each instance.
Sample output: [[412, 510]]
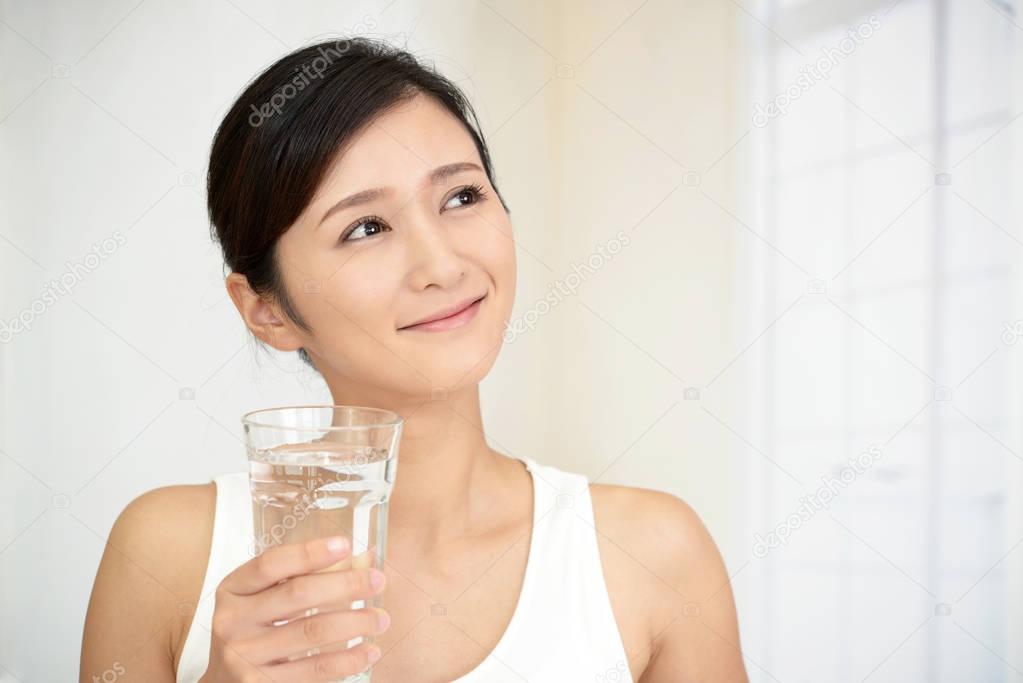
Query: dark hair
[[280, 137]]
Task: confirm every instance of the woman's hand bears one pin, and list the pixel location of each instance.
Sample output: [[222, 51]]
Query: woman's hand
[[294, 582]]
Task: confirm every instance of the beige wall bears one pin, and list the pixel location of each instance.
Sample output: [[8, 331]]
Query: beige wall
[[600, 146]]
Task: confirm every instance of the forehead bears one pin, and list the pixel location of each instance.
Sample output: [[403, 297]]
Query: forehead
[[401, 146]]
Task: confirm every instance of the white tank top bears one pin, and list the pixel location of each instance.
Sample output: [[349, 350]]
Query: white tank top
[[562, 628]]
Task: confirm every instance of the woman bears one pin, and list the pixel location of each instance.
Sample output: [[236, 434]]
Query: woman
[[354, 199]]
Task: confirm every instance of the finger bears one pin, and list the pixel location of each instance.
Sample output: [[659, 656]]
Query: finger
[[309, 594], [326, 666], [312, 635], [366, 558], [284, 561]]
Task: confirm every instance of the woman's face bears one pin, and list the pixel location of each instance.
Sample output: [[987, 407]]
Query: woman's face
[[361, 271]]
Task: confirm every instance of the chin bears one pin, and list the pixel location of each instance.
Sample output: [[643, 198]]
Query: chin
[[456, 367]]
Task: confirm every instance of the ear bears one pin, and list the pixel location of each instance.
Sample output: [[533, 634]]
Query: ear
[[260, 317]]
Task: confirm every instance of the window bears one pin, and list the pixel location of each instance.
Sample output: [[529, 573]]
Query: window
[[888, 279]]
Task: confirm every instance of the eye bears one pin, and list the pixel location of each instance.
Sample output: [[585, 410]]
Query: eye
[[470, 194], [368, 225]]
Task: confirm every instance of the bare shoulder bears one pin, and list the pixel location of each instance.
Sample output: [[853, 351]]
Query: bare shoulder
[[659, 524], [162, 530], [658, 553], [148, 582], [662, 534]]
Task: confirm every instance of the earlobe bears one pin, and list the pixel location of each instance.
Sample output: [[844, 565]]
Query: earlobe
[[260, 315]]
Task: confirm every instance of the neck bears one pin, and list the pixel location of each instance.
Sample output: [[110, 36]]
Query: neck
[[447, 475]]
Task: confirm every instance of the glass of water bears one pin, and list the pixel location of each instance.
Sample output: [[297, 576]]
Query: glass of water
[[324, 470]]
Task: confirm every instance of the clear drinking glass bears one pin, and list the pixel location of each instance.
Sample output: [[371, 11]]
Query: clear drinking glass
[[324, 470]]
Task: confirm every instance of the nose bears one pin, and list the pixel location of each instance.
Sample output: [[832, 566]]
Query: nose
[[433, 258]]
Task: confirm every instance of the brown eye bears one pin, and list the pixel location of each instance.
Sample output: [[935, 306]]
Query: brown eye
[[468, 195], [365, 227]]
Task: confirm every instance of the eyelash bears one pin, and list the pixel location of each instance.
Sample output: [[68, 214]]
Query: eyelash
[[476, 189]]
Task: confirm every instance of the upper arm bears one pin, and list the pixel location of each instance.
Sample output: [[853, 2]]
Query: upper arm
[[694, 628], [146, 578]]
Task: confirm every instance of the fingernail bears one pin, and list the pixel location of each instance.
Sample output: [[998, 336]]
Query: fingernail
[[384, 619], [337, 544], [374, 655], [376, 578]]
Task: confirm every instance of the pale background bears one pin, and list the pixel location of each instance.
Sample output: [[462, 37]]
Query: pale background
[[816, 284]]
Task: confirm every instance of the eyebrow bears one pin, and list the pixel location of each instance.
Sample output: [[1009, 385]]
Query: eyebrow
[[437, 175]]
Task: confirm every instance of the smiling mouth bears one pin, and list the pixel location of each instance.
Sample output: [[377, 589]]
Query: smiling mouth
[[452, 321]]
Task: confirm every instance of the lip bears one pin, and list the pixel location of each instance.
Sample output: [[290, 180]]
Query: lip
[[450, 318]]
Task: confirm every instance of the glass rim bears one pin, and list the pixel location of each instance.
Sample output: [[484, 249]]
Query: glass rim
[[247, 419]]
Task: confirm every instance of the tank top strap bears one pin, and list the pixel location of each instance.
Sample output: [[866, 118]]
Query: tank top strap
[[232, 544], [234, 509]]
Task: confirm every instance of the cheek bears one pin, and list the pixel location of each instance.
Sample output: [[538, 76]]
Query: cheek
[[495, 254], [344, 294], [359, 295], [495, 250], [354, 320]]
